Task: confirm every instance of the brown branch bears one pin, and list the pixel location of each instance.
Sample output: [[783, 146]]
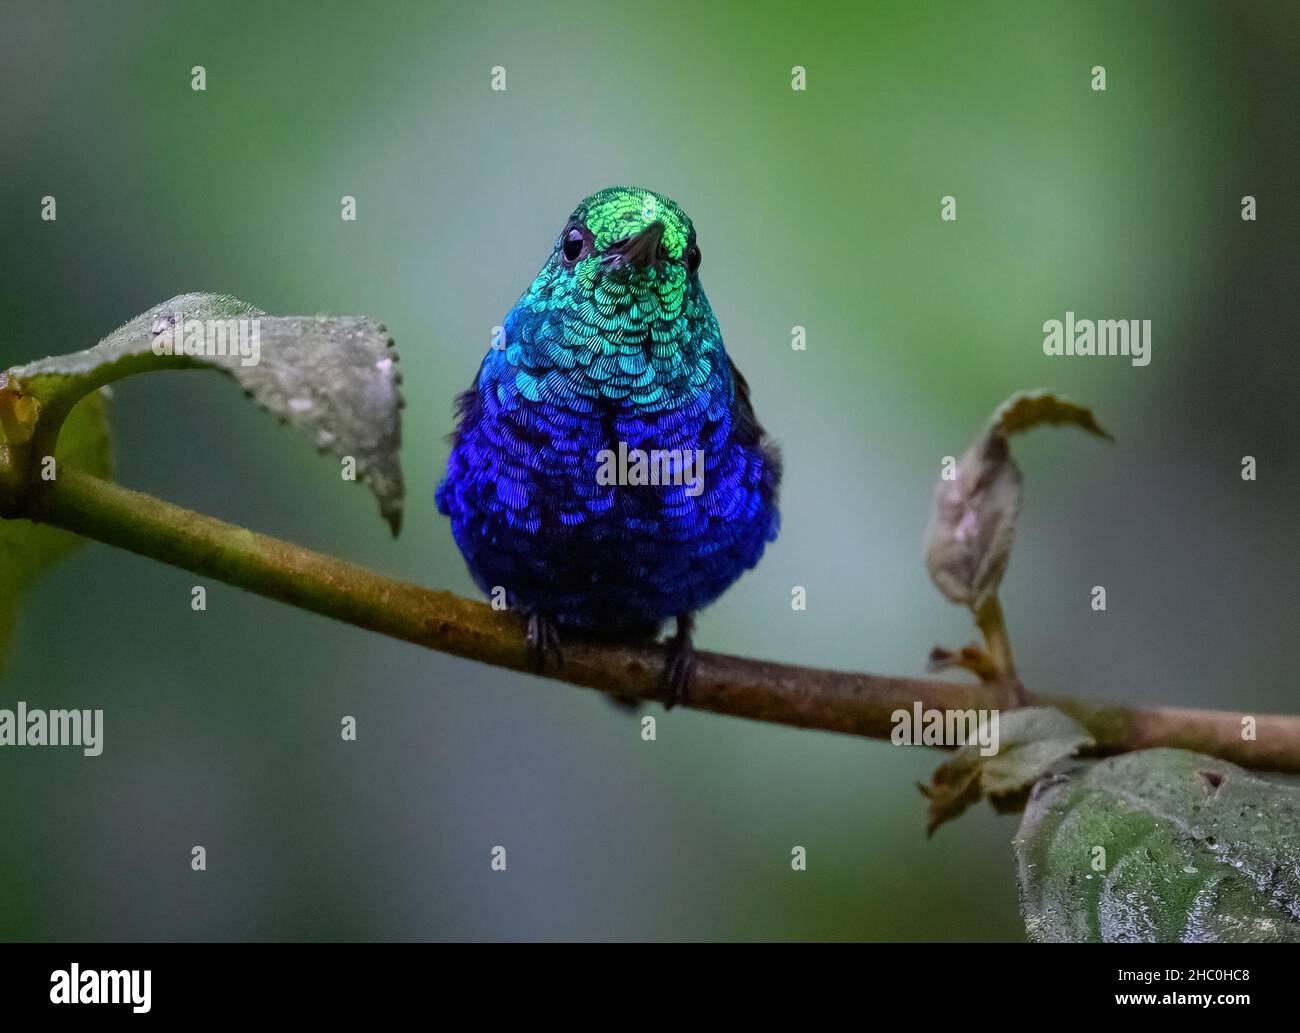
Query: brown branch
[[836, 701]]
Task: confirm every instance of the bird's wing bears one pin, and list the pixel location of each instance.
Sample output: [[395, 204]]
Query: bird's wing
[[466, 408], [748, 432], [747, 429]]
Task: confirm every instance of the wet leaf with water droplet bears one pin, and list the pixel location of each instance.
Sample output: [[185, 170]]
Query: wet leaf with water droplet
[[332, 378], [1183, 847]]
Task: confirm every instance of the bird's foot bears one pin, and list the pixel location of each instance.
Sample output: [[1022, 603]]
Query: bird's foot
[[543, 639], [679, 667]]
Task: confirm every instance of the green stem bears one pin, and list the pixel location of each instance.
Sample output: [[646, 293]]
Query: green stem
[[838, 701], [993, 627]]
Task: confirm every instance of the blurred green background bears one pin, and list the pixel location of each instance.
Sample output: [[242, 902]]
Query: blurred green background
[[819, 209]]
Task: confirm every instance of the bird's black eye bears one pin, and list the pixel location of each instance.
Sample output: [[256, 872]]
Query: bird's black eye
[[693, 258], [573, 245]]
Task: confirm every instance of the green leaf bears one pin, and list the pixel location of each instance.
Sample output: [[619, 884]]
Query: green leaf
[[1160, 846], [973, 521], [333, 378], [1031, 741], [27, 550]]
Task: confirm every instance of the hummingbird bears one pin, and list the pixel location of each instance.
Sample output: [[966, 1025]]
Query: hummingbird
[[607, 471]]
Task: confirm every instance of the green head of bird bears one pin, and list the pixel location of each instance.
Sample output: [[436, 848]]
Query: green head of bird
[[618, 309]]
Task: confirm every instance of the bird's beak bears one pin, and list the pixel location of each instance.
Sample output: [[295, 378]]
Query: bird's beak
[[643, 249]]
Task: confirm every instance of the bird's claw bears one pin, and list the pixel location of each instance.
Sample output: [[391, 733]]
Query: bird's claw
[[679, 668], [543, 639]]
